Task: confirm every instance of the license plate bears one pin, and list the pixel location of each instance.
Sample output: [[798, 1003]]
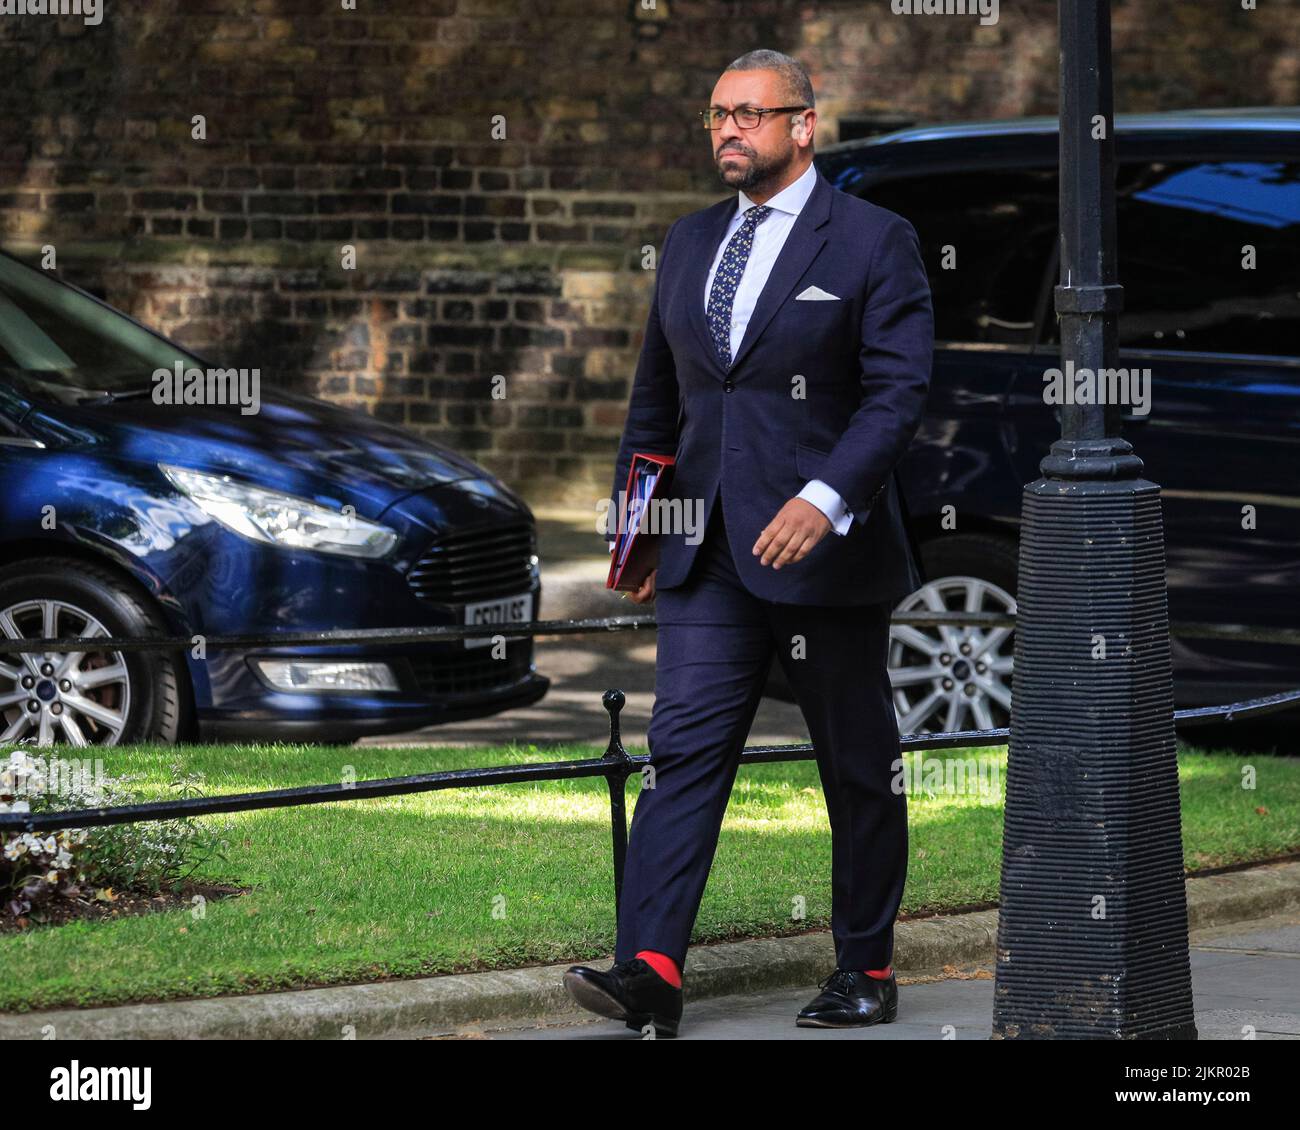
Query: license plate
[[501, 612]]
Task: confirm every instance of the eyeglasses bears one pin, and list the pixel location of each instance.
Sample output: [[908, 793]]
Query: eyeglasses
[[747, 117]]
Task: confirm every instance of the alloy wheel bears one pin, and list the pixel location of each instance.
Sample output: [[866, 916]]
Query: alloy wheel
[[952, 678], [74, 698]]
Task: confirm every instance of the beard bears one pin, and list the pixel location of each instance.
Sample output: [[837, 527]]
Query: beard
[[753, 173]]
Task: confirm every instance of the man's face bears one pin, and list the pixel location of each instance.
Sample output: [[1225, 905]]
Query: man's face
[[749, 159]]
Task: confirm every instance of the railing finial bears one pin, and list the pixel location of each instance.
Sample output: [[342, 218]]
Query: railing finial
[[613, 700]]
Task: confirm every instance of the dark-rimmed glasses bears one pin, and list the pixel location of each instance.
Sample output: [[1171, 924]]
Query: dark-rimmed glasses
[[747, 117]]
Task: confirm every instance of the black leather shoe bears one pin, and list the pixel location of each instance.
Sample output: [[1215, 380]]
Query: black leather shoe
[[630, 991], [851, 999]]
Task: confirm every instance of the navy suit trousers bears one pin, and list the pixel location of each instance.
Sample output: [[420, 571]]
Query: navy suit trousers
[[715, 645]]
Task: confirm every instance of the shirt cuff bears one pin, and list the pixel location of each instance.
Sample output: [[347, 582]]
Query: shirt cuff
[[829, 502]]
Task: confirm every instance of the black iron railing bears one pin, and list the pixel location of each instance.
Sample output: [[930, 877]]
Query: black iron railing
[[449, 633]]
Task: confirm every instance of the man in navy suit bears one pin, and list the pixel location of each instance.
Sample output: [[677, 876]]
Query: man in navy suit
[[785, 365]]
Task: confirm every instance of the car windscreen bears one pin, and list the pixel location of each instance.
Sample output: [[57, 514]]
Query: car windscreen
[[63, 341]]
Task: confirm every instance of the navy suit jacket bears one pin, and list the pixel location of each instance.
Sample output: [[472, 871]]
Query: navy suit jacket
[[865, 363]]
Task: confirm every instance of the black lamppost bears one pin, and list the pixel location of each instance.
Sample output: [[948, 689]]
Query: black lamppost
[[1092, 932]]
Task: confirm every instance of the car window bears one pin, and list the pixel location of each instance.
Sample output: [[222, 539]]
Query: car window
[[56, 337], [1186, 233], [1209, 257], [986, 238]]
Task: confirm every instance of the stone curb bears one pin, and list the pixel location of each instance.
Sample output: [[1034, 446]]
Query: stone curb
[[432, 1005]]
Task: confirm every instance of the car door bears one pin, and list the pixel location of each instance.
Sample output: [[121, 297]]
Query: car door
[[986, 237], [1208, 260]]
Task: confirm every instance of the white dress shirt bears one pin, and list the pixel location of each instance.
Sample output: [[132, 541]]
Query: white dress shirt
[[769, 238]]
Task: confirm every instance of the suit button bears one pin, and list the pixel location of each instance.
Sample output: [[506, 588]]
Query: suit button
[[728, 385]]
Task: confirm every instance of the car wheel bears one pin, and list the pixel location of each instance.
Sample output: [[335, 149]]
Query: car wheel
[[951, 678], [101, 697]]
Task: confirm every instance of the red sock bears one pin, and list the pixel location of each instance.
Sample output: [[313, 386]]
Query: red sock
[[879, 974], [664, 965]]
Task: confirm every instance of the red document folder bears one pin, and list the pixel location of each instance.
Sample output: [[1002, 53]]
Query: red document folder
[[633, 557]]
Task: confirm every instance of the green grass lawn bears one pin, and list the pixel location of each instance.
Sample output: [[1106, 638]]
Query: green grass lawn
[[513, 875]]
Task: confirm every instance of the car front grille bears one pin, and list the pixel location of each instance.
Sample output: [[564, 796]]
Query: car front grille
[[473, 670], [477, 564]]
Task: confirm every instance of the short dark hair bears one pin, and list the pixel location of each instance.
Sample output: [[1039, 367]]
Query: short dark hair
[[797, 84]]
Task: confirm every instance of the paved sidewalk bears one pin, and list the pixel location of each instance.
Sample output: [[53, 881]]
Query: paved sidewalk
[[574, 562], [1242, 975]]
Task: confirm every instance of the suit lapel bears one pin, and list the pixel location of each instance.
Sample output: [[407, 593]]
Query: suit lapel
[[696, 275], [802, 246]]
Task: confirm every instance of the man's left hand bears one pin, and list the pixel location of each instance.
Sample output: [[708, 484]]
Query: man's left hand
[[791, 535]]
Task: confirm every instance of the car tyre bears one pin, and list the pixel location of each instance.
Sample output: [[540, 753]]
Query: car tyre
[[148, 692]]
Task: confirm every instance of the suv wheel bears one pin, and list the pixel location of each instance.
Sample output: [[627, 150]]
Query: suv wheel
[[101, 697], [952, 678]]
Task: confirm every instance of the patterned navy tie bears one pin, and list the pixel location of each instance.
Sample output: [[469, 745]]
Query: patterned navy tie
[[723, 292]]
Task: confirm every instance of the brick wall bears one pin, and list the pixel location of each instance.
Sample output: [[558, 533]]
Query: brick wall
[[479, 255]]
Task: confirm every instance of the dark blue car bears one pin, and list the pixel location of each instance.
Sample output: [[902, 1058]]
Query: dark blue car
[[127, 510], [1208, 215]]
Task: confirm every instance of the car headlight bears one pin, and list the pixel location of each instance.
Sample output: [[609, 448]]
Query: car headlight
[[280, 519]]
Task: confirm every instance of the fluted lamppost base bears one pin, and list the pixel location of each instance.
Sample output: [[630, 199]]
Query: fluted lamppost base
[[1092, 932]]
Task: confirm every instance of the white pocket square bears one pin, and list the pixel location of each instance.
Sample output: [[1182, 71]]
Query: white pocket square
[[816, 294]]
